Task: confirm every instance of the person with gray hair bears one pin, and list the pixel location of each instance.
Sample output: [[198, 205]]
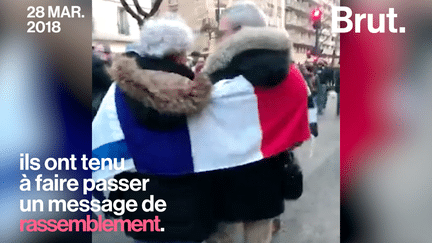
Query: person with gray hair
[[242, 13], [166, 35], [141, 119], [251, 72]]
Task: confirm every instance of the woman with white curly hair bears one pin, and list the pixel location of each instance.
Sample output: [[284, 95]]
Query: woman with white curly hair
[[143, 119], [166, 37]]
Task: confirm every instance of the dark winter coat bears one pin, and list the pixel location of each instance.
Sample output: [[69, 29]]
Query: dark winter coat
[[159, 94], [101, 82], [253, 191], [326, 75], [337, 80]]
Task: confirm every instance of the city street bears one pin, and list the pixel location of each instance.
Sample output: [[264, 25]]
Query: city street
[[314, 217]]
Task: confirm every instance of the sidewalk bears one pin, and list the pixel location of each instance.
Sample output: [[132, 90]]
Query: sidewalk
[[315, 216]]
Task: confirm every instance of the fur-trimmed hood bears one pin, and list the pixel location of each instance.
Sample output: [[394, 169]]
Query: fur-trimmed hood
[[166, 92], [259, 52], [247, 38]]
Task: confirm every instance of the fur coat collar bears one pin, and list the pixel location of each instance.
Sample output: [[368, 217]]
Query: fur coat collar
[[247, 39], [164, 91]]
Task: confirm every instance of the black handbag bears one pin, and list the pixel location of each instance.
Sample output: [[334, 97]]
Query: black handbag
[[293, 178]]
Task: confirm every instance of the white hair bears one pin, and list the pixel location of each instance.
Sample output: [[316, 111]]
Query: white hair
[[245, 13], [168, 34]]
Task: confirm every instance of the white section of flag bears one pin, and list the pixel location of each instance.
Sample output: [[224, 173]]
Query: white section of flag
[[106, 125], [313, 115], [227, 132]]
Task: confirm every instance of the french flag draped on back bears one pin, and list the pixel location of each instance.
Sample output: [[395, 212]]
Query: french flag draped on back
[[241, 124]]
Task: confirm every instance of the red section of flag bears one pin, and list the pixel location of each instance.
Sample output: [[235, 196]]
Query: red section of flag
[[283, 114]]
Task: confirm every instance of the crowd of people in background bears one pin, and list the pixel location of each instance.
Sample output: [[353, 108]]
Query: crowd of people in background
[[321, 78], [101, 81], [214, 133]]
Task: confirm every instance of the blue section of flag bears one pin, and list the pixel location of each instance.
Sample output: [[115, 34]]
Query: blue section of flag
[[112, 150], [155, 152]]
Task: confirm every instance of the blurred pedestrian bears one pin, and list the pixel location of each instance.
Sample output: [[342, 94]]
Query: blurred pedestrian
[[309, 78], [103, 51], [324, 75], [337, 89], [101, 82], [195, 55], [259, 104], [199, 65], [143, 118]]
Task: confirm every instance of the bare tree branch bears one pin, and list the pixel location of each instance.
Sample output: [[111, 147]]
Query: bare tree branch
[[155, 7], [145, 15], [140, 10], [132, 13]]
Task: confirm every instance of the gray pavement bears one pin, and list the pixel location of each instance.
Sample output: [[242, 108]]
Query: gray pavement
[[315, 216]]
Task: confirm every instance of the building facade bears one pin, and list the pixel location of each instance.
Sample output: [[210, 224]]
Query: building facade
[[303, 35], [203, 17], [198, 14], [113, 26]]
